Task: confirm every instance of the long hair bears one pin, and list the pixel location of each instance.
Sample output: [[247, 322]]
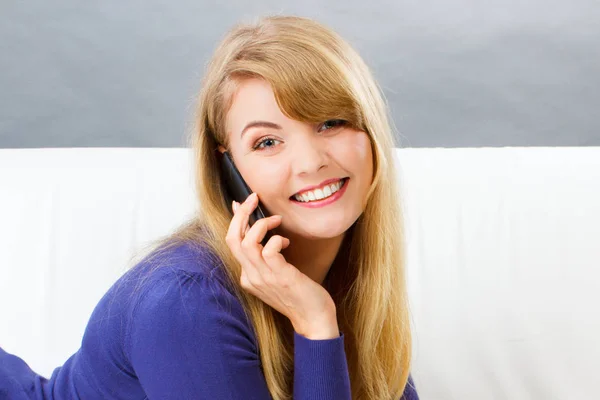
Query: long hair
[[315, 76]]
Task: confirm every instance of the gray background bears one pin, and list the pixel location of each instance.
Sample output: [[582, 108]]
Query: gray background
[[459, 73]]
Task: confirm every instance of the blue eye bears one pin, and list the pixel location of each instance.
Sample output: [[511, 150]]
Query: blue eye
[[265, 143], [332, 123]]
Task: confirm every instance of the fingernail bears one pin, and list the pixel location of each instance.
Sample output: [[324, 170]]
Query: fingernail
[[235, 206]]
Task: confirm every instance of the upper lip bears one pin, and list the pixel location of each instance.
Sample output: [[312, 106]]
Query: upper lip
[[320, 185]]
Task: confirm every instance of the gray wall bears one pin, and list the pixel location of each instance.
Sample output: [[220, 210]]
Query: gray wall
[[456, 73]]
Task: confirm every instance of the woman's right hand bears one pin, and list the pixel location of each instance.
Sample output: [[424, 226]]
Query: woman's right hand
[[267, 275]]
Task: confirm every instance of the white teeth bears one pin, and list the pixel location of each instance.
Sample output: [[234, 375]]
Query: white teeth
[[319, 194]]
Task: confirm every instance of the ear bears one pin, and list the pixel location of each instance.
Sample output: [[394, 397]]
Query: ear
[[222, 149]]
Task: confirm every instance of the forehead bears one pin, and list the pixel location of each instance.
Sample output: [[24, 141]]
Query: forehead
[[252, 99]]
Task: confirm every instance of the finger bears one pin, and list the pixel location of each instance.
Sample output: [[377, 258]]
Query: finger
[[273, 247], [263, 271], [235, 206], [246, 209], [253, 238], [251, 244], [276, 271], [239, 222], [258, 270], [237, 228], [249, 274]]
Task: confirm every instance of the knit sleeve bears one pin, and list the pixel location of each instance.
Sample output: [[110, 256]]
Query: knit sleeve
[[190, 339], [320, 369]]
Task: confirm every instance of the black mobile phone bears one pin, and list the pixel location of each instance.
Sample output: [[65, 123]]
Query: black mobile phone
[[235, 186]]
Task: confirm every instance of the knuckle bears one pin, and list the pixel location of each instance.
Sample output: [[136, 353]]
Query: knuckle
[[261, 223], [256, 284], [269, 252], [251, 281], [270, 242], [245, 282], [246, 244]]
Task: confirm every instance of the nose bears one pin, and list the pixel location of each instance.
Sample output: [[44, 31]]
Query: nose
[[310, 155]]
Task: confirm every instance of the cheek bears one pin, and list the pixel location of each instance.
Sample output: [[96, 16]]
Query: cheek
[[356, 153], [265, 176], [364, 149]]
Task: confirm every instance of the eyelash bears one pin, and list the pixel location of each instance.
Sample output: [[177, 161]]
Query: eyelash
[[257, 145], [340, 122]]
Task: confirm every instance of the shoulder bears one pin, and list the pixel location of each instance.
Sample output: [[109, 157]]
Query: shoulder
[[173, 264], [410, 391], [172, 309], [184, 257], [187, 327], [182, 294], [180, 272], [174, 292], [154, 277]]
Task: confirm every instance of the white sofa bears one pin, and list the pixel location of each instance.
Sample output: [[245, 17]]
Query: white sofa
[[503, 257]]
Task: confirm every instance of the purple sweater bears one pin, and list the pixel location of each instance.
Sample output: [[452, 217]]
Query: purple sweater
[[177, 332]]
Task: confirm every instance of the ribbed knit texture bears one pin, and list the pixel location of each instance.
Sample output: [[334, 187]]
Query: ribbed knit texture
[[320, 367]]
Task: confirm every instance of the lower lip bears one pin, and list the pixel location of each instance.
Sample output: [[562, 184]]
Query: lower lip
[[324, 202]]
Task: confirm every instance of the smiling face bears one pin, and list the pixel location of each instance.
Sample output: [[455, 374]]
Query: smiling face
[[315, 175]]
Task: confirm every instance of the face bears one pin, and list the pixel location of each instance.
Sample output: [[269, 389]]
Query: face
[[315, 175]]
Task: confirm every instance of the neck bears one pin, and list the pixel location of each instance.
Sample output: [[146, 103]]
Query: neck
[[312, 257]]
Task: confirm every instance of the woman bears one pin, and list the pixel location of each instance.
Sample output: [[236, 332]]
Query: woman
[[318, 312]]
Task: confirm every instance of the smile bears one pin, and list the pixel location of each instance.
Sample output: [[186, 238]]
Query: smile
[[323, 195]]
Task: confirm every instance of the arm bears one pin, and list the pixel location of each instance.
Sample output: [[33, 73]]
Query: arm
[[190, 338], [320, 369]]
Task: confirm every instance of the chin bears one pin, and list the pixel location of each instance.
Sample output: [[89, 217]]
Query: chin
[[322, 235], [324, 229]]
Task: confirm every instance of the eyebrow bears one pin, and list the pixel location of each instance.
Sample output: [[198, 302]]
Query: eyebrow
[[259, 124]]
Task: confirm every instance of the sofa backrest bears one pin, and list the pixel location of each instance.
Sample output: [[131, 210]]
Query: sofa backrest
[[503, 257]]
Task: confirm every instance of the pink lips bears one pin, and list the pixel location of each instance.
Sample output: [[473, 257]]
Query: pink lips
[[324, 202], [320, 185]]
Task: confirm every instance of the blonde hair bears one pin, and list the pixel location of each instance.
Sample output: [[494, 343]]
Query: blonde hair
[[315, 76]]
